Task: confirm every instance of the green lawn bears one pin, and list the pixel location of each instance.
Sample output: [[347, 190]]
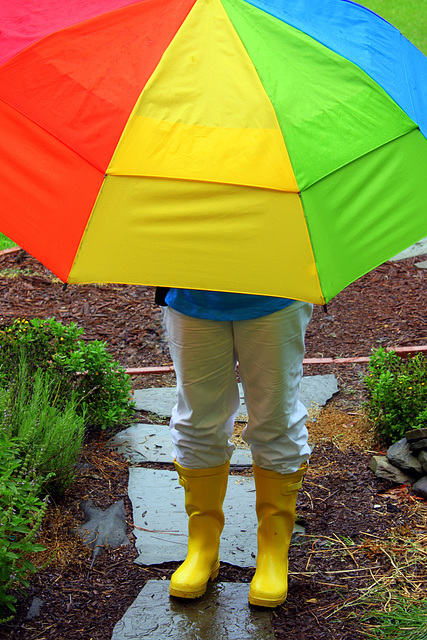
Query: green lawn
[[5, 243], [409, 16]]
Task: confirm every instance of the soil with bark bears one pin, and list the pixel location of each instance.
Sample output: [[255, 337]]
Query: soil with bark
[[346, 510]]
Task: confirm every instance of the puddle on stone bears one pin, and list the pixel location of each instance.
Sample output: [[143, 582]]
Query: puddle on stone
[[223, 613]]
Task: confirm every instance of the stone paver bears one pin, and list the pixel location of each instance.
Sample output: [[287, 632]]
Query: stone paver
[[161, 533], [222, 614], [417, 249], [158, 509], [313, 390], [158, 505], [152, 443]]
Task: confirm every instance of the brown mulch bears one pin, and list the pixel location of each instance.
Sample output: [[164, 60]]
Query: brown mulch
[[347, 511]]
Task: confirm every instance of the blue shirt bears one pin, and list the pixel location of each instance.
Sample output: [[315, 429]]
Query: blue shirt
[[217, 305]]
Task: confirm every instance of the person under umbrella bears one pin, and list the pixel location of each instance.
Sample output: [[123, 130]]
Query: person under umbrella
[[209, 332]]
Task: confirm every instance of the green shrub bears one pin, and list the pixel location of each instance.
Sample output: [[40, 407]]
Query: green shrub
[[21, 513], [102, 387], [51, 438], [99, 385], [397, 393]]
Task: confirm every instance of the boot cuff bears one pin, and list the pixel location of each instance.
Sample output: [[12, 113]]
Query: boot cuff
[[202, 473]]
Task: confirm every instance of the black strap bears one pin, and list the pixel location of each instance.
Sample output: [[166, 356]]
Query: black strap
[[160, 296]]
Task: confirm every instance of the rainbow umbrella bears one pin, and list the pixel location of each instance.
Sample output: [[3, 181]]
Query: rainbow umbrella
[[268, 147]]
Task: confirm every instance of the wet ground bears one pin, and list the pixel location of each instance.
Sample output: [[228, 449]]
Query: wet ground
[[346, 511]]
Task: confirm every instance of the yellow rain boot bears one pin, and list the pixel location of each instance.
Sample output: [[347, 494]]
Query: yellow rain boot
[[204, 494], [276, 496]]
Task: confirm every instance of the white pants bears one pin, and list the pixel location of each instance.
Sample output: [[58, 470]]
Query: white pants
[[270, 351]]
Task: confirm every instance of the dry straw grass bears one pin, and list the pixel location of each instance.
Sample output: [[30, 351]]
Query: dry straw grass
[[396, 570]]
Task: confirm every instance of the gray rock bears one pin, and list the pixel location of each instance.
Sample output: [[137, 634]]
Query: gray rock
[[384, 469], [420, 487], [222, 613], [418, 445], [162, 525], [422, 457], [35, 608], [416, 434], [102, 528], [400, 456], [421, 265]]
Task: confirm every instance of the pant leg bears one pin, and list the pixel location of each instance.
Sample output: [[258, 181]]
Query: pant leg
[[270, 352], [208, 397]]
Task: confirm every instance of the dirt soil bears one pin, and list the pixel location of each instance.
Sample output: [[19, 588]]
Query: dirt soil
[[347, 511]]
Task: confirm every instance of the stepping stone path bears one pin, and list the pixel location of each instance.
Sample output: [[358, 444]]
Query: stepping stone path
[[158, 509], [313, 390], [161, 532], [222, 613]]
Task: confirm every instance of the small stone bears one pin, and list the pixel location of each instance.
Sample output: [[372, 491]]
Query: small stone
[[416, 434], [420, 487], [422, 457], [418, 445], [400, 456], [384, 469], [35, 608], [103, 528]]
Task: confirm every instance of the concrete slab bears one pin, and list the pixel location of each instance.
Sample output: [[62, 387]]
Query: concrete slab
[[313, 390], [417, 249], [152, 443], [158, 512], [158, 509], [222, 613]]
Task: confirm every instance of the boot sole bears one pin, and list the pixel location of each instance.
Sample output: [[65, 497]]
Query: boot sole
[[266, 602], [196, 593]]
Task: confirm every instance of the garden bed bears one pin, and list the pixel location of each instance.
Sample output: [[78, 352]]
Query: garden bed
[[358, 528]]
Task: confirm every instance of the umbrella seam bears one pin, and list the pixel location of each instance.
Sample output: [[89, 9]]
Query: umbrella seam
[[231, 184], [409, 93], [51, 135], [380, 146]]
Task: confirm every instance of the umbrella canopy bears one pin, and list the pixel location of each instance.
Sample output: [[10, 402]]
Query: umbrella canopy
[[264, 147]]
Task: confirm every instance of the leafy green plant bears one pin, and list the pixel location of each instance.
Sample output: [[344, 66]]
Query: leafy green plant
[[51, 438], [38, 341], [397, 393], [99, 385], [21, 513]]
